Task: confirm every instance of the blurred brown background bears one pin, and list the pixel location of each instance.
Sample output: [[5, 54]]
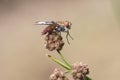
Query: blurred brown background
[[95, 29]]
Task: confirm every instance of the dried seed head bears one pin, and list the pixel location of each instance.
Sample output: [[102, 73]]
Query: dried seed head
[[54, 41], [80, 71], [58, 75]]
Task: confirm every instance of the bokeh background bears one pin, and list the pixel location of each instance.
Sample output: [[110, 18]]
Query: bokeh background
[[96, 32]]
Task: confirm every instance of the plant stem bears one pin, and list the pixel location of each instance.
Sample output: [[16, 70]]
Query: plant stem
[[88, 78], [67, 71], [63, 58]]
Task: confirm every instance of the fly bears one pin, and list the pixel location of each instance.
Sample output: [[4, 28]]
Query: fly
[[56, 26]]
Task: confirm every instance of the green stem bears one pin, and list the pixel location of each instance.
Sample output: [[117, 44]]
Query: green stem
[[88, 78], [59, 62], [67, 71], [63, 58]]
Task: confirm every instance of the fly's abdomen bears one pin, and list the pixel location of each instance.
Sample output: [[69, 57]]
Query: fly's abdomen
[[49, 29]]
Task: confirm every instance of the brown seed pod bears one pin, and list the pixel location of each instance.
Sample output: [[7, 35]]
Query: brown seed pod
[[54, 41], [58, 75], [80, 71]]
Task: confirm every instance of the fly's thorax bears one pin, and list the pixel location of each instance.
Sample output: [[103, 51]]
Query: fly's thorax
[[62, 28], [64, 25]]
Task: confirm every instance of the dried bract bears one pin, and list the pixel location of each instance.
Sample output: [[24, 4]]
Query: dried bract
[[58, 75], [80, 71], [54, 41]]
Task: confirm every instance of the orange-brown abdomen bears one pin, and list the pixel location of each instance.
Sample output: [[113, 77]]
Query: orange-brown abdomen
[[49, 28]]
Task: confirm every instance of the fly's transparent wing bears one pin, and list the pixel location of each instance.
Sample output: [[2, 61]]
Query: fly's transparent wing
[[45, 23]]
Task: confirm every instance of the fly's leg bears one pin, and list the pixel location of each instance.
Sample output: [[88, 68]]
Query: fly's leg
[[68, 34], [67, 37]]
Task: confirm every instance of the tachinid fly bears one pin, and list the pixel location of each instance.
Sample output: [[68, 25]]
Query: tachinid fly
[[56, 26]]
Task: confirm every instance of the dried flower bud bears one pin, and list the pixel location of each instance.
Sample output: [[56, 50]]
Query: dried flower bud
[[54, 41], [80, 71], [58, 75]]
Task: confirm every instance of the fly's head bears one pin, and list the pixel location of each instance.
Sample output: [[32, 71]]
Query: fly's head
[[67, 24]]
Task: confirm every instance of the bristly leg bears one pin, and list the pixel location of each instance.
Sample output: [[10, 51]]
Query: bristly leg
[[68, 34], [67, 38]]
